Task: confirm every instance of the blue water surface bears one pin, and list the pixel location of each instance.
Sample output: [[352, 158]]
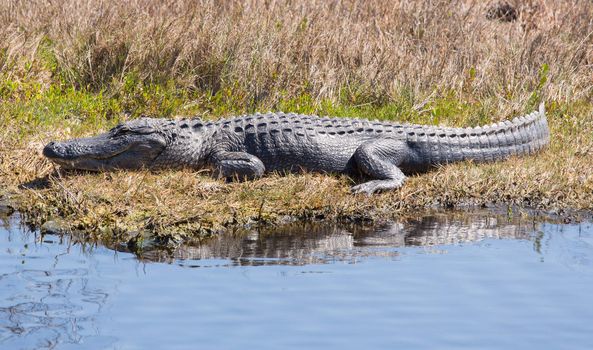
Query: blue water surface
[[474, 283]]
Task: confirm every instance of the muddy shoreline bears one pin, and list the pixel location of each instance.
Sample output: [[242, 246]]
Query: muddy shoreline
[[146, 243]]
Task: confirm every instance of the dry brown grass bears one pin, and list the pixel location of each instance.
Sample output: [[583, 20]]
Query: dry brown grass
[[269, 50], [261, 53]]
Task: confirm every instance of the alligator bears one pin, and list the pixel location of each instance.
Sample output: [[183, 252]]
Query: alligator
[[248, 146]]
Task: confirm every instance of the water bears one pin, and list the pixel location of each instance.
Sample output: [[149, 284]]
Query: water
[[446, 282]]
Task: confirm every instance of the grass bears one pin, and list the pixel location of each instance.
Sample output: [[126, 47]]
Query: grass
[[428, 62]]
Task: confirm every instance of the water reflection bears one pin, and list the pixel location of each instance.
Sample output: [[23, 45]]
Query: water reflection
[[314, 243]]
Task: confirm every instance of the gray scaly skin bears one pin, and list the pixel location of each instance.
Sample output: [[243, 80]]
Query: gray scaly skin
[[251, 145]]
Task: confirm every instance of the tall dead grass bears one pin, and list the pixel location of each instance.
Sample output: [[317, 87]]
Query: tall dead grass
[[272, 49]]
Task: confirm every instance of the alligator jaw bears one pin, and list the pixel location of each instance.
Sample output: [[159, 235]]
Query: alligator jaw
[[108, 151], [90, 163]]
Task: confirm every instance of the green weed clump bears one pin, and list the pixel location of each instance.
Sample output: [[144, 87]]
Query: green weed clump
[[424, 62]]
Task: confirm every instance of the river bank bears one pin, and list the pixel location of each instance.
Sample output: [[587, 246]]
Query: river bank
[[182, 205], [94, 70]]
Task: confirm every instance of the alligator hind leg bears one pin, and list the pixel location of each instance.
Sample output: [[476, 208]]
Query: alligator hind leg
[[379, 159], [238, 165]]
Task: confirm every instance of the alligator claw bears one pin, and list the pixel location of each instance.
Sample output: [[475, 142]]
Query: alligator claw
[[375, 186], [361, 189]]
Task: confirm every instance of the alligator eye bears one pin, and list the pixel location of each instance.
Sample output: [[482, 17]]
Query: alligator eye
[[120, 131]]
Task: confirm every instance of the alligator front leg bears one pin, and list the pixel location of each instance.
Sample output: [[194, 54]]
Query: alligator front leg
[[237, 165], [379, 159]]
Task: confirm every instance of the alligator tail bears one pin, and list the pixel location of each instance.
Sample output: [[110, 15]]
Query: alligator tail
[[520, 136]]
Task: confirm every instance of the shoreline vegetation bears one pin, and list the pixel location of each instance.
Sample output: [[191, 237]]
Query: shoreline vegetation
[[428, 62]]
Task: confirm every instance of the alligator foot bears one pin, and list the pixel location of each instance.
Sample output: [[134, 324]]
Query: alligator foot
[[238, 165], [374, 186], [379, 160]]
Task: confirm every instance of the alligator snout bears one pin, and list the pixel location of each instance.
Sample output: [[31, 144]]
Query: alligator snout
[[50, 150]]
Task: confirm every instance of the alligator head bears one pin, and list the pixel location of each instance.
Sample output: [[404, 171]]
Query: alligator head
[[132, 145]]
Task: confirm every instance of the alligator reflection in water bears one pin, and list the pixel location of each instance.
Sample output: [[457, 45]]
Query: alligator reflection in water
[[311, 243]]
